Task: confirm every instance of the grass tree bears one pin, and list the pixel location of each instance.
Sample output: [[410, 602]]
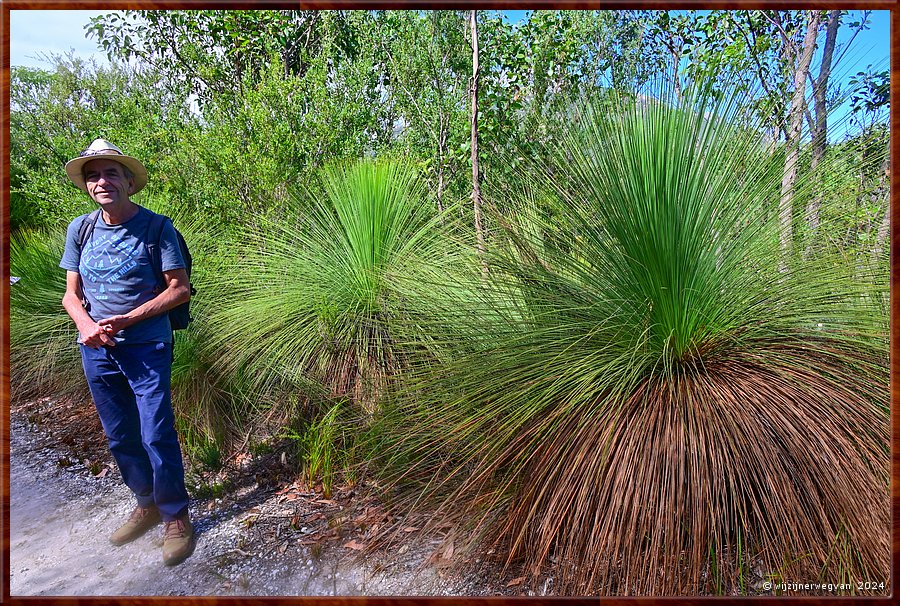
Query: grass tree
[[209, 406], [649, 401], [44, 357], [308, 298]]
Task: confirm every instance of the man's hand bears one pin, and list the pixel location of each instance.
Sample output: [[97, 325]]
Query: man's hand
[[97, 336], [113, 324], [92, 334]]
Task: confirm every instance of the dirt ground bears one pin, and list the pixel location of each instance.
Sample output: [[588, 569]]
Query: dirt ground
[[267, 536]]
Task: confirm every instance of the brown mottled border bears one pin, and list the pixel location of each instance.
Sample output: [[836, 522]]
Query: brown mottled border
[[448, 4], [4, 301], [895, 303], [7, 5]]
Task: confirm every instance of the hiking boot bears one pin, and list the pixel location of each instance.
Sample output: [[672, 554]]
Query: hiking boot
[[140, 521], [178, 540]]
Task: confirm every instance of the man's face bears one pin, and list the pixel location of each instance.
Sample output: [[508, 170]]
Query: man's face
[[106, 181]]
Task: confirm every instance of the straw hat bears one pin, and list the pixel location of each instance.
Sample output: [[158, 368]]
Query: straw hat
[[103, 149]]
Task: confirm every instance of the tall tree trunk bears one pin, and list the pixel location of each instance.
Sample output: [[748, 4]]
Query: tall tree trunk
[[820, 88], [476, 177], [820, 127], [442, 141], [674, 49], [439, 194], [676, 59], [795, 125]]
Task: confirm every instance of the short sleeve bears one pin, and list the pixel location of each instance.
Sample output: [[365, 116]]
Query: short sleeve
[[72, 251], [170, 251]]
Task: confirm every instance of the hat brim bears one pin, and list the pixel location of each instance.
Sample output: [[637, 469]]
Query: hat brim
[[74, 169]]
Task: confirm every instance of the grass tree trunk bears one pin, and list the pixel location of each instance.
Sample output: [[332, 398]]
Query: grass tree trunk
[[476, 177], [820, 127], [795, 124]]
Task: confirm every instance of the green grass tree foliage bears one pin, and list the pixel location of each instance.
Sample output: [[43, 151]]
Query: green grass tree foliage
[[652, 397], [210, 407], [309, 297], [44, 358]]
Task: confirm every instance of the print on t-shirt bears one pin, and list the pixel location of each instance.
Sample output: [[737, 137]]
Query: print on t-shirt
[[113, 259], [116, 272]]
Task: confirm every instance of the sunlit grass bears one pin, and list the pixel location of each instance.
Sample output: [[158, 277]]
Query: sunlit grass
[[44, 356]]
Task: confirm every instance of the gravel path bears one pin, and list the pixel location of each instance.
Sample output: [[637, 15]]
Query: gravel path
[[61, 516]]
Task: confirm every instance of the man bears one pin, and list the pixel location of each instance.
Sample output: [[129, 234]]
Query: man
[[119, 307]]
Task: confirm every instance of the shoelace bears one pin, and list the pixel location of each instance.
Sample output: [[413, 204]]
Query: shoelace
[[175, 529], [139, 513]]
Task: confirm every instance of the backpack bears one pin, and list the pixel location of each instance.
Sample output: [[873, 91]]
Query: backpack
[[180, 316]]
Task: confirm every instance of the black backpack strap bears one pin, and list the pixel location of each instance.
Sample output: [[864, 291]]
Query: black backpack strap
[[85, 230], [154, 234]]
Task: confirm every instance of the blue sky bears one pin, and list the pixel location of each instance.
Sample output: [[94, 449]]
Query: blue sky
[[35, 34]]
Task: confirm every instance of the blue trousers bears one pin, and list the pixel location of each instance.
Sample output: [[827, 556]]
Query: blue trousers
[[130, 385]]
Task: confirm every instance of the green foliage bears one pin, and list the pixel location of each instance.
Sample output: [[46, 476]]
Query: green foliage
[[534, 71], [199, 448], [855, 203], [202, 489], [427, 65], [55, 115], [212, 408], [641, 374], [272, 120], [44, 356], [326, 444], [222, 54], [310, 312], [871, 90]]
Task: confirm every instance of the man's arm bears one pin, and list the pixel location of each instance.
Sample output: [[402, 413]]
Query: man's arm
[[177, 291], [91, 333]]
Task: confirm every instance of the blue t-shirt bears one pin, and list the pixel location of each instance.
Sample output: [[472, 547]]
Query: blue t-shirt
[[116, 273]]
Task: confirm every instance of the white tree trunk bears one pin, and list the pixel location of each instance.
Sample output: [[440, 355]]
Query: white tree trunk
[[795, 124], [476, 185], [820, 128]]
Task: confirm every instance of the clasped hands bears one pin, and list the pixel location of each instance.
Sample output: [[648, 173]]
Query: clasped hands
[[102, 332]]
